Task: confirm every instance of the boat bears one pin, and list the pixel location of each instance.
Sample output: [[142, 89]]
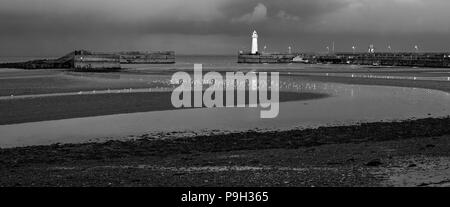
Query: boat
[[299, 59]]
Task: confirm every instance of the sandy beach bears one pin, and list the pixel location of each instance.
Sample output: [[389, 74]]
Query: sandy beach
[[404, 153], [377, 154]]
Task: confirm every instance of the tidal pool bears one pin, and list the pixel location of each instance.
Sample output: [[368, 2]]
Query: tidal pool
[[348, 104]]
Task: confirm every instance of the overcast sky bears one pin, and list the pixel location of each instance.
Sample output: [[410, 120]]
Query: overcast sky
[[54, 27]]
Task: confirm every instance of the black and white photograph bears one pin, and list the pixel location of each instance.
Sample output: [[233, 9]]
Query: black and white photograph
[[224, 93]]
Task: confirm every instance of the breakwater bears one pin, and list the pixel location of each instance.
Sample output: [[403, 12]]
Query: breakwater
[[432, 60], [435, 60], [265, 58], [167, 57], [82, 60], [89, 61]]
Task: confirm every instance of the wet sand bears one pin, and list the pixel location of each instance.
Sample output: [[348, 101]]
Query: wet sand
[[74, 106], [408, 153], [45, 82], [30, 96], [426, 84], [373, 154]]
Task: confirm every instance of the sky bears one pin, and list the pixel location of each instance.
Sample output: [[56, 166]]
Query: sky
[[56, 27]]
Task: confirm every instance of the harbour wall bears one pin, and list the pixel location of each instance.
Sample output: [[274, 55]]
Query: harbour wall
[[167, 57], [83, 60], [265, 58], [435, 60], [88, 61]]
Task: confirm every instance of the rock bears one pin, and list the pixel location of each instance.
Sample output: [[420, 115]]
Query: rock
[[412, 165], [334, 163], [255, 162], [374, 163]]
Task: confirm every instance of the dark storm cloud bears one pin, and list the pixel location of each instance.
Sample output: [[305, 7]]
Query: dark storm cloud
[[61, 18], [215, 26], [232, 20], [304, 9]]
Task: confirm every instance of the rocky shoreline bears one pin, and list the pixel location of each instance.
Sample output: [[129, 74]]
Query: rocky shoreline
[[152, 161]]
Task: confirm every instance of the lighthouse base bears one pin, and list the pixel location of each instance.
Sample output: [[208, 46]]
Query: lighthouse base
[[265, 58]]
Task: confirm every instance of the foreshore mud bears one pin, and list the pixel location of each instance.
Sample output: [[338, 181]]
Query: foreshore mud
[[403, 153], [359, 155], [22, 110]]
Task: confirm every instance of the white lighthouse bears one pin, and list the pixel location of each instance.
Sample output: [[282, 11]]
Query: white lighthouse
[[254, 42]]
